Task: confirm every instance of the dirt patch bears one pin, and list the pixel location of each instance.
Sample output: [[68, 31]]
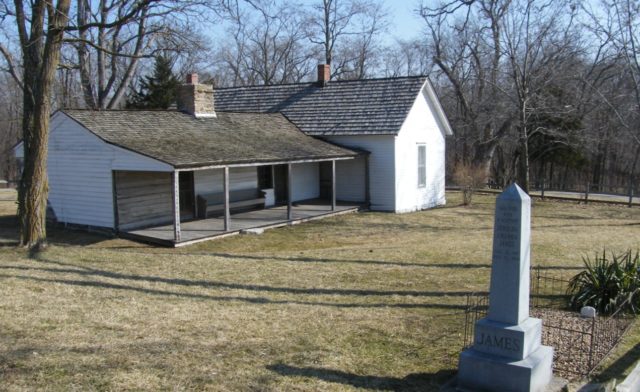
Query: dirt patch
[[580, 344]]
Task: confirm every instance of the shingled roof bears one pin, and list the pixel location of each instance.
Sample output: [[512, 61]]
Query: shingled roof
[[184, 141], [355, 107]]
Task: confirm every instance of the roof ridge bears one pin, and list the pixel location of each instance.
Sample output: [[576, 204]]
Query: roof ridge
[[132, 110], [311, 84]]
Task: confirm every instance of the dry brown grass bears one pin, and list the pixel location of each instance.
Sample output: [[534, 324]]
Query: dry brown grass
[[370, 301]]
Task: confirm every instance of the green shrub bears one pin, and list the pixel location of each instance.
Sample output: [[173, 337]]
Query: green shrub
[[608, 282]]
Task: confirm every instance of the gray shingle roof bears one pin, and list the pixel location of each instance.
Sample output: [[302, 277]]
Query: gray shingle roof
[[372, 106], [183, 141]]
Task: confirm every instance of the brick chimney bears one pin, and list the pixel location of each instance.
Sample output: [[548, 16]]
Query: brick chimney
[[196, 99], [324, 74]]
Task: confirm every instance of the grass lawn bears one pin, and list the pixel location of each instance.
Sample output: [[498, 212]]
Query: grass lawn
[[360, 301]]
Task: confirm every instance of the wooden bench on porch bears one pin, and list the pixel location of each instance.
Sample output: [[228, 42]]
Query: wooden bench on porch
[[208, 203]]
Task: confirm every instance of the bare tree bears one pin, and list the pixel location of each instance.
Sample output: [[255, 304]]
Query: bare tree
[[406, 57], [501, 57], [349, 29], [467, 47], [41, 28], [537, 40], [108, 55], [359, 55], [10, 113], [268, 46], [615, 26]]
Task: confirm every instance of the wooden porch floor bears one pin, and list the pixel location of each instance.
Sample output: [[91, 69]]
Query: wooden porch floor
[[206, 229]]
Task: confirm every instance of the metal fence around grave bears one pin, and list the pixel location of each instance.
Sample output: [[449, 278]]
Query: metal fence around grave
[[579, 344]]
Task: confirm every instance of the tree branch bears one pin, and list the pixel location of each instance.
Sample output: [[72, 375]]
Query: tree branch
[[11, 67]]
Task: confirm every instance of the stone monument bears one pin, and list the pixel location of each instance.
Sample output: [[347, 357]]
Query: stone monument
[[507, 354]]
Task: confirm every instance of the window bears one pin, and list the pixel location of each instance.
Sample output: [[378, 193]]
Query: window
[[422, 165]]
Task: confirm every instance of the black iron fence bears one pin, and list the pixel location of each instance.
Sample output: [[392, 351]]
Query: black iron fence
[[580, 344], [548, 290]]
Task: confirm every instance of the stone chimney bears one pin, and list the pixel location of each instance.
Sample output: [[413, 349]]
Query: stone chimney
[[196, 99], [324, 74]]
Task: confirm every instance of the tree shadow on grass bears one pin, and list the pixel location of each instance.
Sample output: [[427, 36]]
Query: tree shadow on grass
[[8, 230], [304, 259], [221, 298], [94, 272], [411, 382], [65, 365], [56, 234], [424, 227]]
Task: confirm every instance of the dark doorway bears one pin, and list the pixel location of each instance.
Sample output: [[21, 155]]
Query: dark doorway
[[187, 195], [265, 177], [325, 180], [280, 183]]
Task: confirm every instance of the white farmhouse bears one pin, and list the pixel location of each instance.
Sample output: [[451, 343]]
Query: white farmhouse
[[235, 159], [399, 121]]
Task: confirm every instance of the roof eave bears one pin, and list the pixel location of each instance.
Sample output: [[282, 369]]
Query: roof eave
[[439, 112], [353, 133], [263, 162]]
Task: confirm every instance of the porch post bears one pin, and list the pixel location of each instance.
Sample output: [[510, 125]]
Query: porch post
[[367, 193], [175, 181], [333, 185], [227, 215], [289, 192]]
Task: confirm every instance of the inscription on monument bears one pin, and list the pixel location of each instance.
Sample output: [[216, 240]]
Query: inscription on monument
[[499, 342], [506, 241]]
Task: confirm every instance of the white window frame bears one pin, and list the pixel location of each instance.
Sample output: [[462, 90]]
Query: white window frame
[[422, 166]]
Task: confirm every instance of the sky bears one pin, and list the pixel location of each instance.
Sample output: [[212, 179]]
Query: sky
[[404, 22]]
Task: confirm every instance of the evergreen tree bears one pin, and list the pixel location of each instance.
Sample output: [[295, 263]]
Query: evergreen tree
[[157, 91]]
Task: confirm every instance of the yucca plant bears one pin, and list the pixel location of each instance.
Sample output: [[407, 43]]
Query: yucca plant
[[608, 282]]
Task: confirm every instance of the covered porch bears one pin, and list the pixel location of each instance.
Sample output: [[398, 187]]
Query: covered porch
[[251, 178], [216, 227]]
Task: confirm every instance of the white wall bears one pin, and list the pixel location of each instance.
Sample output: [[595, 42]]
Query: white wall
[[381, 169], [351, 179], [79, 169], [305, 181], [420, 126], [210, 180]]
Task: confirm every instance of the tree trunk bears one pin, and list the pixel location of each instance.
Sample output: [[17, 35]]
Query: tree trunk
[[523, 141], [34, 185], [483, 156], [84, 61], [40, 64], [328, 47], [523, 166]]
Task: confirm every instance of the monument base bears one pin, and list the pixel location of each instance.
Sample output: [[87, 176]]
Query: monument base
[[479, 371], [511, 341]]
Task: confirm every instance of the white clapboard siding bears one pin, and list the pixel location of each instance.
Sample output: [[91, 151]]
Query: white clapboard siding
[[210, 180], [420, 127], [381, 169], [351, 180], [144, 198], [80, 173], [79, 163], [305, 181]]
